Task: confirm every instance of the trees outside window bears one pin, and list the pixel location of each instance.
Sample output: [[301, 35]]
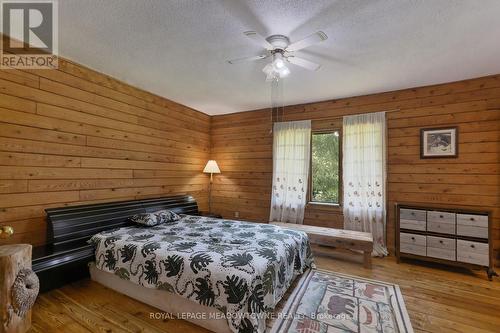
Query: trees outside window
[[325, 167]]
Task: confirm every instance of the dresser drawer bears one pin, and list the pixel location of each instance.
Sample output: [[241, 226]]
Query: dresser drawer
[[472, 252], [443, 228], [412, 243], [412, 239], [413, 219], [441, 222], [413, 214], [472, 225], [441, 217], [441, 247], [441, 242]]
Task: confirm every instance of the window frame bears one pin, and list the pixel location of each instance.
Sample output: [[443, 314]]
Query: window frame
[[310, 186]]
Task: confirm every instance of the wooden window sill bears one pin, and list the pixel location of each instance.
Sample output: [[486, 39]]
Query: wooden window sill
[[324, 206]]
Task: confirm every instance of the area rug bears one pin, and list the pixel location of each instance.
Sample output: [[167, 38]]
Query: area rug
[[327, 302]]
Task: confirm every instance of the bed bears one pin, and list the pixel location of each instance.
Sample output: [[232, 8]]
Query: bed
[[224, 275], [242, 269]]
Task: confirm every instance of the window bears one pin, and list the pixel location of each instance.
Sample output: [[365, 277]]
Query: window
[[325, 167]]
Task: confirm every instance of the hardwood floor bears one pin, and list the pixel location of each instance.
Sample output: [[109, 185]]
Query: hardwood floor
[[437, 299]]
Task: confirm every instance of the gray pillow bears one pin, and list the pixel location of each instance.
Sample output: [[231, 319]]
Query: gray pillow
[[155, 218], [170, 216]]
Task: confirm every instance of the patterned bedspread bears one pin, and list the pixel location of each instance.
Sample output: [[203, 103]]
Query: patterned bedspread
[[241, 268]]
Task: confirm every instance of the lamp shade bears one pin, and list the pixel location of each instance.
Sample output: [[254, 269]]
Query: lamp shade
[[211, 167]]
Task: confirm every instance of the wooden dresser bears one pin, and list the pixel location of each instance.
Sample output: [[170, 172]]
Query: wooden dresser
[[443, 235]]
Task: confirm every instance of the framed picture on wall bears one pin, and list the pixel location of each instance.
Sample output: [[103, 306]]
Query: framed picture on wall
[[439, 142]]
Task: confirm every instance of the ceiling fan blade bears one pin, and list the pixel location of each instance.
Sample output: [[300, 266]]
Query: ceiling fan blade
[[257, 38], [308, 41], [245, 59], [312, 66]]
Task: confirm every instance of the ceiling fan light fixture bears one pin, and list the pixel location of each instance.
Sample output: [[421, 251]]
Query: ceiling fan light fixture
[[278, 61], [272, 76], [276, 69], [284, 71], [268, 68]]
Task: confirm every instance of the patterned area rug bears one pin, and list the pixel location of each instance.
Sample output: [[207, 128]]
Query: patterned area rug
[[327, 302]]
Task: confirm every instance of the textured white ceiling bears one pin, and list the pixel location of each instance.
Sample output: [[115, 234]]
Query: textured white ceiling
[[178, 48]]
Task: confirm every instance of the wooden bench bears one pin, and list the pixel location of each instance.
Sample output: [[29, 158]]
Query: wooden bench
[[339, 238]]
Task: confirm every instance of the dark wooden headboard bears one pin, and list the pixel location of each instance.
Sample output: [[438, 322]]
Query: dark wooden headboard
[[69, 224], [65, 256]]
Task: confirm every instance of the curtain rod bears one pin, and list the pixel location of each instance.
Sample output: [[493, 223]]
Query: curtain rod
[[333, 117]]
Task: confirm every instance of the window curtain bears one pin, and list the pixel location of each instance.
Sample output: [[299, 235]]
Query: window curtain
[[364, 176], [291, 153]]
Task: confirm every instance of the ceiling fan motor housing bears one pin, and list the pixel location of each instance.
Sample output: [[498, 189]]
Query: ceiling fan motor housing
[[279, 42]]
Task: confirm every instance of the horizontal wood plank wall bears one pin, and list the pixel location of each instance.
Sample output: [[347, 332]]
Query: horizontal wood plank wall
[[242, 145], [73, 136]]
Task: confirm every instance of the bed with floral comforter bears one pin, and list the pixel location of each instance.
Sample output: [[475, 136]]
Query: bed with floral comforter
[[241, 268]]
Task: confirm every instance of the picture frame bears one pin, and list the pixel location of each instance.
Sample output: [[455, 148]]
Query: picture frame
[[439, 142]]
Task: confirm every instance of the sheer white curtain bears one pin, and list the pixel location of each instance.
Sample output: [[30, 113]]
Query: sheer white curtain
[[291, 150], [364, 176]]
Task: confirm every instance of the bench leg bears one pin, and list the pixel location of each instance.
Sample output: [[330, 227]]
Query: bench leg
[[367, 259]]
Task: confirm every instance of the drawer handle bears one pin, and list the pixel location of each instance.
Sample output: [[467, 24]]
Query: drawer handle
[[441, 216], [441, 241], [413, 238], [412, 213], [472, 245], [472, 219]]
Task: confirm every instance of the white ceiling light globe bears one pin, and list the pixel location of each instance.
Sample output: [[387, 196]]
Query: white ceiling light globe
[[284, 71], [278, 61]]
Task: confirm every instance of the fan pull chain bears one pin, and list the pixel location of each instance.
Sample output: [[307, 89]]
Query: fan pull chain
[[277, 100]]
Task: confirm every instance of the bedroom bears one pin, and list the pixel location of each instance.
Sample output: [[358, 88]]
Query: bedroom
[[344, 177]]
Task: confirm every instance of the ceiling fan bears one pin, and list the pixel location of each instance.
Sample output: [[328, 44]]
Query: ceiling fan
[[279, 48]]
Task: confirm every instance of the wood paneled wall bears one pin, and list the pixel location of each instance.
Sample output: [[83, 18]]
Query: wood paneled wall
[[242, 145], [74, 136]]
